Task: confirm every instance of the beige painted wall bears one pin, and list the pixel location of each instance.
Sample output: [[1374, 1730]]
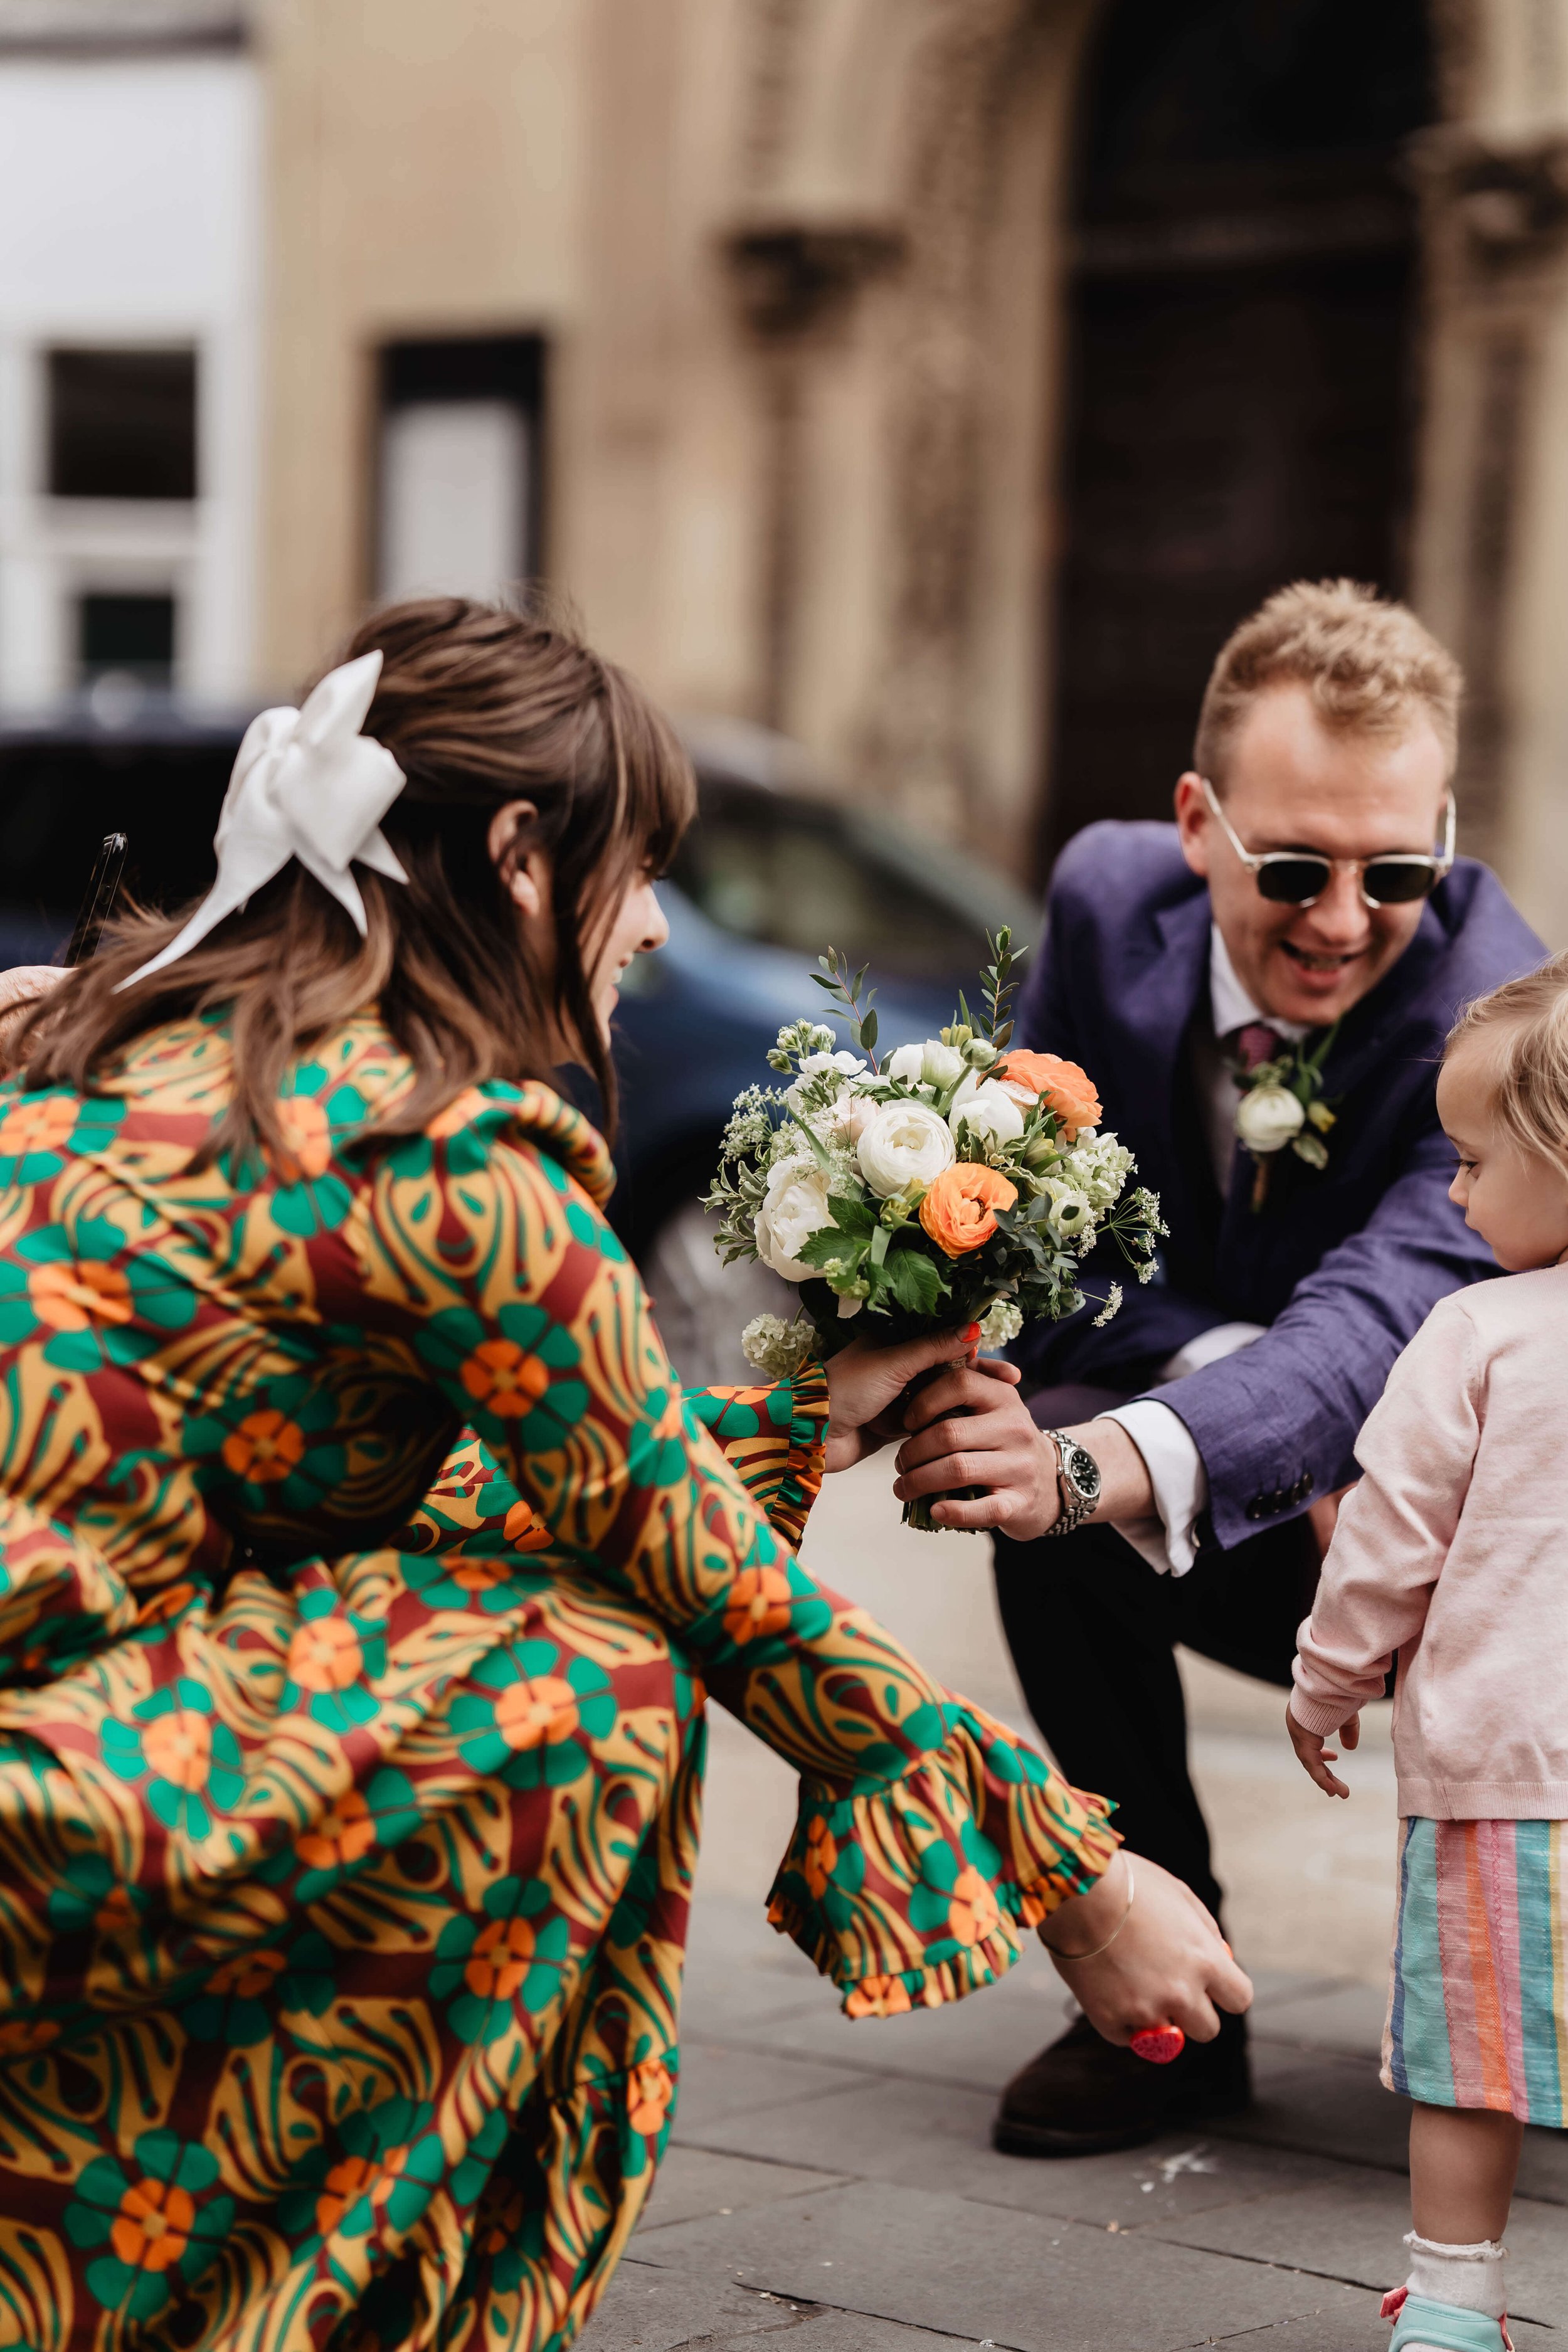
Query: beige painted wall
[[583, 166], [427, 174]]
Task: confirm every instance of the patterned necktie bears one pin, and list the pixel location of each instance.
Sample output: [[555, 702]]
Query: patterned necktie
[[1252, 1046]]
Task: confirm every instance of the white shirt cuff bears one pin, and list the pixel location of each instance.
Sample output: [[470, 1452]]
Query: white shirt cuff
[[1181, 1485], [1171, 1456]]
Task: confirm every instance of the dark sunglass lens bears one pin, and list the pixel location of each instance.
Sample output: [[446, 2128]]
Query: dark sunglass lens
[[1396, 881], [1291, 881]]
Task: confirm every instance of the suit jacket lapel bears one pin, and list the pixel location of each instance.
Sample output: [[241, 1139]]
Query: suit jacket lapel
[[1167, 995]]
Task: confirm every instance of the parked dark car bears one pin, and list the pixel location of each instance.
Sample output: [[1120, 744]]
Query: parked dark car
[[772, 873]]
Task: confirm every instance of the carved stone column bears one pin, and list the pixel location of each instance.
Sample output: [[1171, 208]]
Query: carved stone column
[[796, 286], [1495, 219], [961, 102]]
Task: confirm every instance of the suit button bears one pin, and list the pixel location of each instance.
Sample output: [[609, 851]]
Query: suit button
[[1259, 1507]]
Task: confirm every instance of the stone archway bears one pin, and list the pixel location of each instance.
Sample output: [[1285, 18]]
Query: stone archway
[[893, 250]]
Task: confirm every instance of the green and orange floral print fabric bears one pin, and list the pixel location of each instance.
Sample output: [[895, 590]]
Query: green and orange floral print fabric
[[361, 1569]]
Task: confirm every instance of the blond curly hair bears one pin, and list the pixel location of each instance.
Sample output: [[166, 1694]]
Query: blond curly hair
[[1368, 663], [1529, 1062]]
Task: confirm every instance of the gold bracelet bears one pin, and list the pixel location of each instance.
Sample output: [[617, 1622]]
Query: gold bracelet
[[1094, 1954]]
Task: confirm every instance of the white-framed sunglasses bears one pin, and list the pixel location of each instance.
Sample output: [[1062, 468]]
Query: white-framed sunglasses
[[1298, 877]]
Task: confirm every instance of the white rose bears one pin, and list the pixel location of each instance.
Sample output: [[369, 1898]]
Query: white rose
[[905, 1144], [989, 1109], [794, 1206], [1266, 1117], [932, 1064]]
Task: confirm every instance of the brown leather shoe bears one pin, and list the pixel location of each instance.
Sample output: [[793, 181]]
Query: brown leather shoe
[[1083, 2096]]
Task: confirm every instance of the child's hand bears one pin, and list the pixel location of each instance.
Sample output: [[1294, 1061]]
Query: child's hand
[[1316, 1759]]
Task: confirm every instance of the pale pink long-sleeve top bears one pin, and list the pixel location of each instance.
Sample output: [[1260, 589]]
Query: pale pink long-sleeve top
[[1453, 1551]]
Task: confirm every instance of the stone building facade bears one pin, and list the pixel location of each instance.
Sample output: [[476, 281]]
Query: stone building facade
[[932, 380]]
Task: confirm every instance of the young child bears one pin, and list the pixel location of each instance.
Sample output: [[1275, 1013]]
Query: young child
[[1452, 1552]]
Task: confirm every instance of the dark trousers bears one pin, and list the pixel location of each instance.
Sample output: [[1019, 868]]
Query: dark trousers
[[1093, 1631]]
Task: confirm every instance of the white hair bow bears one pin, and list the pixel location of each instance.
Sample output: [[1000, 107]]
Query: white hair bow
[[306, 784]]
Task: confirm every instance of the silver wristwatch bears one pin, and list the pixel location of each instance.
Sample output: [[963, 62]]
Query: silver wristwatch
[[1078, 1483]]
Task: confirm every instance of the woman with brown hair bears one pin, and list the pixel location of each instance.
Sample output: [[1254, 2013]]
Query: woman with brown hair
[[361, 1559]]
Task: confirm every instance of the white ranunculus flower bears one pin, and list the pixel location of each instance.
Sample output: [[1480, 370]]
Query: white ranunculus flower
[[1266, 1117], [794, 1206], [932, 1064], [905, 1144], [989, 1109]]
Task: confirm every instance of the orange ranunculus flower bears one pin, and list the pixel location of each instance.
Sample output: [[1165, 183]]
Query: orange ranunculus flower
[[178, 1748], [649, 2091], [325, 1654], [307, 1138], [821, 1854], [1061, 1086], [959, 1210], [759, 1603], [540, 1711], [265, 1447], [879, 1997], [973, 1913], [345, 1832], [152, 2227]]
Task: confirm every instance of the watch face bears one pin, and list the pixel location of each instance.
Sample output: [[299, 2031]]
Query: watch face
[[1083, 1471]]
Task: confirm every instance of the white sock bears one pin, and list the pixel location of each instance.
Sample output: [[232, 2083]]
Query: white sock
[[1469, 2277]]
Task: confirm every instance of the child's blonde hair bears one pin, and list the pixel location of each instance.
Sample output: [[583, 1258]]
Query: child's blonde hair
[[1532, 1059]]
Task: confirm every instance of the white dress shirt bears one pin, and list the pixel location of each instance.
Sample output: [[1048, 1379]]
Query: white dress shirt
[[1176, 1466]]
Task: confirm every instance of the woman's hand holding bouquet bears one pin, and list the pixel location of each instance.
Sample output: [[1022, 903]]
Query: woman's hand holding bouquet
[[953, 1190]]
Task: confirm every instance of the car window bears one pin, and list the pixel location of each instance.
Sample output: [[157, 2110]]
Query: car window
[[793, 874]]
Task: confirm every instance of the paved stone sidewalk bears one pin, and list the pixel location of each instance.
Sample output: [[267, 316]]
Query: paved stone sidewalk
[[836, 2181]]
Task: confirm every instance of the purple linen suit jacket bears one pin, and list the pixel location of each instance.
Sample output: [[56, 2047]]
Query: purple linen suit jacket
[[1342, 1264]]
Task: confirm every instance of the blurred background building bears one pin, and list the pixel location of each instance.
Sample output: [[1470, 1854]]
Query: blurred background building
[[934, 382]]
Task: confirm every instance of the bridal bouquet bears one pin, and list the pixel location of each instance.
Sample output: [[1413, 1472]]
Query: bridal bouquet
[[953, 1182]]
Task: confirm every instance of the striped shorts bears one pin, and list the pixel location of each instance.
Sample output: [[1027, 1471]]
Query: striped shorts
[[1478, 2008]]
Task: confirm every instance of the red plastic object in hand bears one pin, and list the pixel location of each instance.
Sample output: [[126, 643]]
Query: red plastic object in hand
[[1159, 2044]]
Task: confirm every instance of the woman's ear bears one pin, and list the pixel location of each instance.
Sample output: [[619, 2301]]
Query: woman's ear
[[519, 858]]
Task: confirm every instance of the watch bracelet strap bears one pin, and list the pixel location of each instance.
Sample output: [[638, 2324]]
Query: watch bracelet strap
[[1073, 1514]]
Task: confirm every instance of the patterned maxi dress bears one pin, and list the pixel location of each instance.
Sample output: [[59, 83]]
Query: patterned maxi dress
[[361, 1572]]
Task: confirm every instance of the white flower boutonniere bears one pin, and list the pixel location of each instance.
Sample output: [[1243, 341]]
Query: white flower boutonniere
[[1282, 1104]]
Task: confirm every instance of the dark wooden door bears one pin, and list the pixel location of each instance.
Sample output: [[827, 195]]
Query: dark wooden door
[[1241, 410]]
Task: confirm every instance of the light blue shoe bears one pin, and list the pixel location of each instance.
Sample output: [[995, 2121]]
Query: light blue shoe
[[1443, 2325]]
